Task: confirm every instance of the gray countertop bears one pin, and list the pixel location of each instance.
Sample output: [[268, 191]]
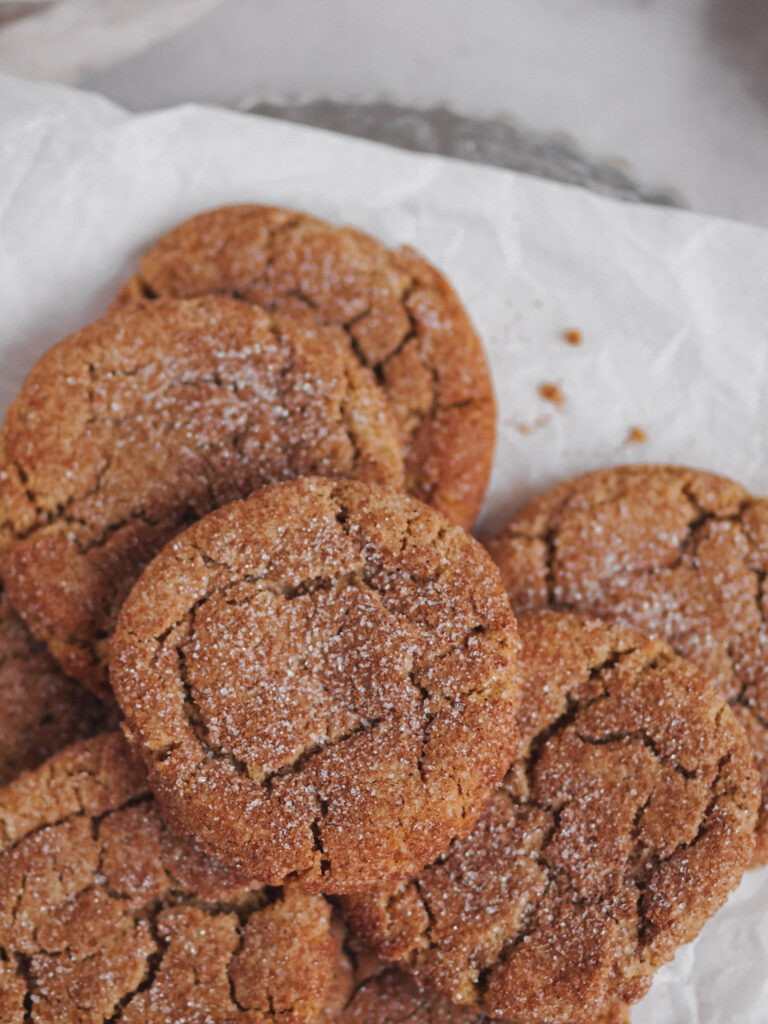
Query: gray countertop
[[664, 100]]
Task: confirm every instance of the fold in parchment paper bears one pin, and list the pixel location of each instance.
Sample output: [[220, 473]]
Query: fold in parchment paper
[[672, 309]]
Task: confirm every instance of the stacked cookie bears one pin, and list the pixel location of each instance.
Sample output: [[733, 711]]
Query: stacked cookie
[[353, 781]]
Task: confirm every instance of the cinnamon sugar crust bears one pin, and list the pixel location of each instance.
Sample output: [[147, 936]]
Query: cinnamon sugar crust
[[677, 552], [106, 916], [400, 314], [367, 990], [391, 997], [622, 826], [41, 709], [322, 680], [138, 424]]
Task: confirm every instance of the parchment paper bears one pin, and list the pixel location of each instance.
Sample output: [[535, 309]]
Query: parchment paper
[[64, 40], [673, 309]]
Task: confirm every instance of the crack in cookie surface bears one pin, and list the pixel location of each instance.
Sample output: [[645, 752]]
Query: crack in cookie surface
[[137, 425], [619, 830], [367, 990], [316, 677], [676, 552], [401, 316], [106, 916]]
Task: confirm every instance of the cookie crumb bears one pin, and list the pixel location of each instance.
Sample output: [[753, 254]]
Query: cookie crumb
[[636, 435], [572, 336], [526, 429], [552, 392]]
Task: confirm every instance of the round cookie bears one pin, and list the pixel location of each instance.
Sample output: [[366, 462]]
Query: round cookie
[[677, 552], [140, 423], [41, 709], [623, 825], [322, 680], [105, 915], [402, 317]]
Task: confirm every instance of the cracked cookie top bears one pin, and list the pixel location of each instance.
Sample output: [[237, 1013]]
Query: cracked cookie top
[[140, 423], [402, 318], [322, 680], [622, 826], [391, 997], [367, 990], [106, 916], [676, 552], [41, 709]]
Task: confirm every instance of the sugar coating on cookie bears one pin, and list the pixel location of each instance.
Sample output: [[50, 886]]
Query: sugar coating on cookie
[[403, 318], [367, 990], [391, 997], [140, 423], [677, 552], [622, 826], [322, 680], [41, 709], [106, 916]]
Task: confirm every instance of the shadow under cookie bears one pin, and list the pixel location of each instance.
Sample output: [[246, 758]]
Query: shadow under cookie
[[41, 709]]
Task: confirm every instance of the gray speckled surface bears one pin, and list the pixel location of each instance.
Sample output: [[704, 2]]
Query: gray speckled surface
[[439, 130]]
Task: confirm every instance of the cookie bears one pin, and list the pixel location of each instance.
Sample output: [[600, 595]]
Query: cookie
[[402, 317], [105, 915], [41, 709], [622, 826], [391, 997], [322, 680], [676, 552], [142, 422], [367, 990], [343, 978]]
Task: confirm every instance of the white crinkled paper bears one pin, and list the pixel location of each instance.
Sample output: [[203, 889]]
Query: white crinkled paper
[[673, 309]]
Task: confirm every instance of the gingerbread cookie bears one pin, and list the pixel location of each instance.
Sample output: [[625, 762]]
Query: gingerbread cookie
[[322, 680], [41, 709], [402, 317], [391, 997], [105, 915], [367, 990], [623, 825], [140, 423], [676, 552]]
